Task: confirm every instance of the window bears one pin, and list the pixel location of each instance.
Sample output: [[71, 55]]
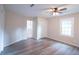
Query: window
[[67, 26]]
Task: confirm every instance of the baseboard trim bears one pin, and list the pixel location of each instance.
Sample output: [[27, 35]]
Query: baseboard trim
[[60, 42], [17, 42]]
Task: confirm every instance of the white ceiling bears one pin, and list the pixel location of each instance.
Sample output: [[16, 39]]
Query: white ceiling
[[37, 9]]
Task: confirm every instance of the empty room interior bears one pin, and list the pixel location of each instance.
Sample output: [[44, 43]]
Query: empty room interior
[[39, 29]]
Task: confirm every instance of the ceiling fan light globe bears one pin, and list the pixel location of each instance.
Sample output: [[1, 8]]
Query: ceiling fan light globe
[[55, 14]]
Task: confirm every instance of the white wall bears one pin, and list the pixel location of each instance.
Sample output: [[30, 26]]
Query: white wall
[[2, 17], [35, 27], [54, 29], [42, 25], [15, 27]]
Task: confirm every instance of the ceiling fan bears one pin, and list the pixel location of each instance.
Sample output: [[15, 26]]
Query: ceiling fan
[[55, 11]]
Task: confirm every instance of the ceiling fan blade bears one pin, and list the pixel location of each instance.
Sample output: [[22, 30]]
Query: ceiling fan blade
[[63, 9]]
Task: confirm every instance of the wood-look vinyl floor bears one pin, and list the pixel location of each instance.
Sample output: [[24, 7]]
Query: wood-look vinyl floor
[[40, 47]]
